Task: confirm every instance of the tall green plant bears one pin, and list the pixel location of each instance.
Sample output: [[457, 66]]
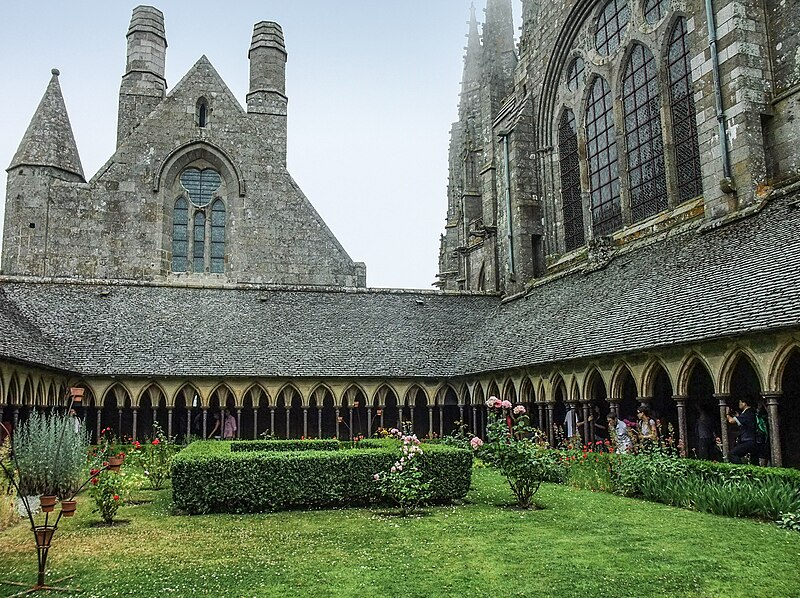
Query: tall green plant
[[50, 455]]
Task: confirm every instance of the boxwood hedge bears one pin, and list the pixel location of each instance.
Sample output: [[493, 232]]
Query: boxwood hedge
[[285, 445], [209, 477]]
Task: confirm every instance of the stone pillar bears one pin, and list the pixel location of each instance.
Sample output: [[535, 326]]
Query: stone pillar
[[680, 403], [119, 421], [430, 422], [288, 412], [550, 432], [155, 420], [369, 422], [98, 424], [474, 420], [411, 411], [272, 421], [461, 413], [588, 427], [134, 431], [319, 422], [338, 418], [776, 455], [722, 401], [541, 410], [238, 423], [613, 406], [169, 422], [441, 421], [188, 421], [205, 422], [305, 422], [380, 414], [351, 423], [255, 423]]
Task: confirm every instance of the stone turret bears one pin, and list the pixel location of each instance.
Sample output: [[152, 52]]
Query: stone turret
[[143, 84], [267, 96], [499, 49], [47, 158]]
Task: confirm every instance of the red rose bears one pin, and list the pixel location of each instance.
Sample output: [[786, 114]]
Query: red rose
[[116, 497], [156, 441]]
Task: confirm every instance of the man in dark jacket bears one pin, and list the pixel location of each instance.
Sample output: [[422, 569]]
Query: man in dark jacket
[[746, 440]]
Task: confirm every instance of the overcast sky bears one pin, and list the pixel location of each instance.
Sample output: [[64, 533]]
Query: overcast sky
[[372, 84]]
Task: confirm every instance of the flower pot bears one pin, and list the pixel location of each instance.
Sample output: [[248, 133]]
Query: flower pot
[[114, 463], [68, 507], [47, 503], [76, 393], [44, 535]]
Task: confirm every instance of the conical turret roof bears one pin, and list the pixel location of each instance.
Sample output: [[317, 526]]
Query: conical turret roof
[[473, 57], [49, 140]]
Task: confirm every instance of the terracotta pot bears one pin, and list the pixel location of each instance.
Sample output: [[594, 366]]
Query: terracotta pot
[[47, 503], [44, 535], [76, 393], [68, 507], [114, 463]]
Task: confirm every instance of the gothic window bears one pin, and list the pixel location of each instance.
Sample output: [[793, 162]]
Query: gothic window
[[601, 153], [202, 112], [611, 25], [684, 125], [218, 237], [180, 240], [643, 135], [574, 73], [654, 10], [198, 225], [570, 180], [199, 242]]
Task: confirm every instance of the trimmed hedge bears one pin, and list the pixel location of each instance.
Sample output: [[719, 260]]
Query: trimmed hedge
[[717, 471], [284, 445], [208, 477]]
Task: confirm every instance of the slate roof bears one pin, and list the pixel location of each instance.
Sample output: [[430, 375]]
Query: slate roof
[[169, 331], [741, 278]]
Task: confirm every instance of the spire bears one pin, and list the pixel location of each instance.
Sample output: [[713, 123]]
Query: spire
[[472, 59], [498, 32], [49, 140]]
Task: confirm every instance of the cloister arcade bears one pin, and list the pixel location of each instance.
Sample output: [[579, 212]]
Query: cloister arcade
[[675, 383]]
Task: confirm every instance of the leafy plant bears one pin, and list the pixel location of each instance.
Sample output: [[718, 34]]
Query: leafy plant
[[790, 521], [154, 458], [109, 490], [50, 455], [405, 483], [516, 449]]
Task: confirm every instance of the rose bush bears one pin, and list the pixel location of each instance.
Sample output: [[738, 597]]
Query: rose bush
[[404, 483]]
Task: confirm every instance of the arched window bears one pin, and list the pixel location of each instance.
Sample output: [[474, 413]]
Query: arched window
[[198, 263], [574, 73], [601, 153], [611, 25], [180, 240], [643, 135], [684, 125], [198, 223], [570, 180], [218, 237], [654, 10], [202, 112]]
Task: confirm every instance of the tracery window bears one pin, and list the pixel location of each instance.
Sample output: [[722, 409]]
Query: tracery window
[[644, 135], [611, 25], [206, 243], [654, 10], [601, 154], [574, 73], [570, 180], [684, 125]]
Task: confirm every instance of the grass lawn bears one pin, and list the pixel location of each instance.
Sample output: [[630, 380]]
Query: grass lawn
[[580, 544]]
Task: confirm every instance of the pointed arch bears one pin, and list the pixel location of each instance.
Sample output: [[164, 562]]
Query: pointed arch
[[493, 390], [591, 381], [574, 389], [777, 366], [570, 170], [413, 392], [730, 363], [289, 387], [314, 394], [191, 395], [509, 390], [688, 363], [651, 370], [478, 397], [618, 378], [465, 396], [353, 392], [526, 392], [257, 391], [147, 390]]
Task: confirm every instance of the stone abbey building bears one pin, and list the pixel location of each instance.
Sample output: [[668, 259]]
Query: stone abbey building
[[623, 227]]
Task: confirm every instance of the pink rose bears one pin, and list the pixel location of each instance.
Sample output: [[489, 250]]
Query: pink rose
[[376, 477], [506, 404], [519, 410], [492, 402], [476, 442]]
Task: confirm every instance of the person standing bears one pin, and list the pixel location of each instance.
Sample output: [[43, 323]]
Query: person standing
[[746, 440], [618, 431], [706, 447], [228, 425]]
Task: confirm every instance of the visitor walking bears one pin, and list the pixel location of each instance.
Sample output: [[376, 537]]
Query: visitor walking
[[618, 431]]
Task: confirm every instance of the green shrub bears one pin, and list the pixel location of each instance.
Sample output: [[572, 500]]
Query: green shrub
[[50, 455], [209, 477], [790, 521], [592, 471], [285, 445]]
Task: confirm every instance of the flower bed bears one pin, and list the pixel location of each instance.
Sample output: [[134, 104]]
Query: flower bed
[[209, 477]]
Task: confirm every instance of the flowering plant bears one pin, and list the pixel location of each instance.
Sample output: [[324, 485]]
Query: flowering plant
[[108, 490], [515, 448], [155, 458], [405, 484]]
